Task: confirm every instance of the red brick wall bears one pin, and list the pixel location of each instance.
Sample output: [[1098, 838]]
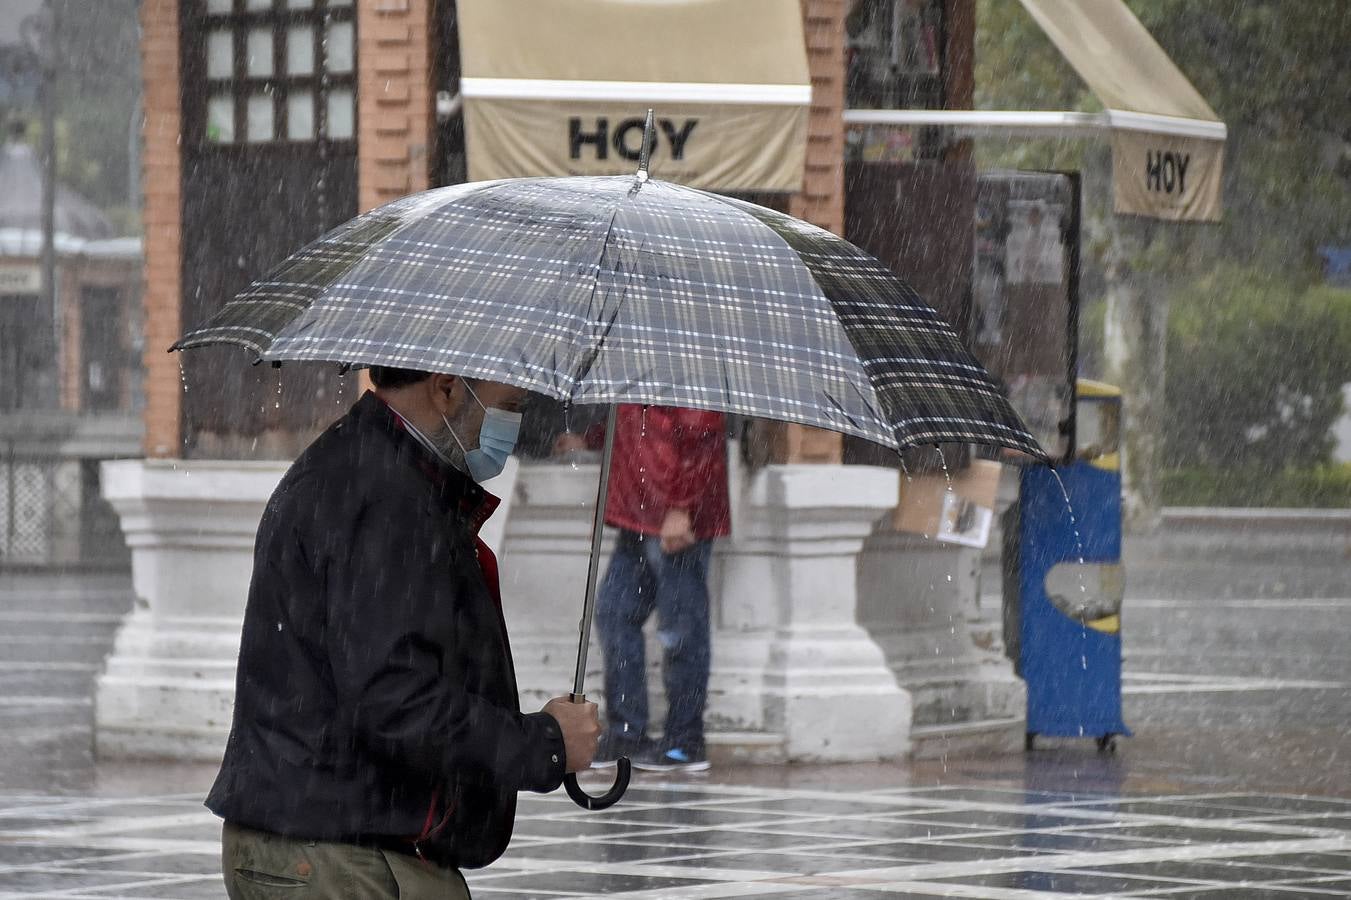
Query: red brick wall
[[162, 217], [394, 102], [821, 201]]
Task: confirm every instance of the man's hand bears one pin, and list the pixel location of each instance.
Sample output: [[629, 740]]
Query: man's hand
[[677, 531], [580, 723]]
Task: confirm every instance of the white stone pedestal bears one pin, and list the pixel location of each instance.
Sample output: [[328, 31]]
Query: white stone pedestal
[[793, 675], [168, 688], [788, 620], [169, 684], [918, 599]]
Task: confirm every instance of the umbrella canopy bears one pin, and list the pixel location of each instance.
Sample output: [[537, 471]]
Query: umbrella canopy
[[624, 290]]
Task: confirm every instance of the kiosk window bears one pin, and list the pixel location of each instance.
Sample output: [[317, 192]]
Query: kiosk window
[[273, 70]]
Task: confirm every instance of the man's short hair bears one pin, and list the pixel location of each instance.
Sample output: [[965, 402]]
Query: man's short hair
[[390, 378]]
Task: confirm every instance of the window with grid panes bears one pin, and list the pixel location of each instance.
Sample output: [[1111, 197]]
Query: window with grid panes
[[274, 71]]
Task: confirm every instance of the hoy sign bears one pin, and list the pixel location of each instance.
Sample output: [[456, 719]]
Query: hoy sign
[[596, 137], [1167, 176], [1167, 171]]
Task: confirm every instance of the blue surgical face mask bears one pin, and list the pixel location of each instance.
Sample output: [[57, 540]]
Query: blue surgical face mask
[[496, 439]]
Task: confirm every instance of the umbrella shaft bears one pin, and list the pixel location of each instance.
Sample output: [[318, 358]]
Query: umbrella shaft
[[593, 566]]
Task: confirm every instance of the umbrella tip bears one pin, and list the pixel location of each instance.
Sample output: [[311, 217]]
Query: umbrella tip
[[649, 137]]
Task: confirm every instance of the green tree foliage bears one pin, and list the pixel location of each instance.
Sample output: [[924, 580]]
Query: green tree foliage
[[1326, 486], [1255, 368]]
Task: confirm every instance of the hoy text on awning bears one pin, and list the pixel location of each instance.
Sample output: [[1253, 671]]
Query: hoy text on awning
[[627, 137], [1166, 171]]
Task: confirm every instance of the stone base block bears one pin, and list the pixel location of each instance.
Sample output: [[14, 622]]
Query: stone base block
[[168, 689], [919, 599], [831, 638]]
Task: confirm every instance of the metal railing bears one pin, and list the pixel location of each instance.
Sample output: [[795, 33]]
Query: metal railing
[[52, 512]]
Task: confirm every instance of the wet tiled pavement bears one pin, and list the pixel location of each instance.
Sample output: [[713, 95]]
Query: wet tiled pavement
[[674, 839], [1237, 783]]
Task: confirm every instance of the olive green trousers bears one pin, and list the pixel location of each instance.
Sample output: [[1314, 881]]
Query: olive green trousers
[[259, 865]]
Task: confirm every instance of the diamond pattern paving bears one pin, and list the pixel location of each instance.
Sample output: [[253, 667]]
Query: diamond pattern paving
[[695, 840]]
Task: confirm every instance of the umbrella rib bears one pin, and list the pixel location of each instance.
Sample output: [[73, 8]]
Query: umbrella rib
[[588, 360]]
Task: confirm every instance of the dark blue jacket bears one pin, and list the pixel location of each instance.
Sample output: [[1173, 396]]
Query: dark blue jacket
[[375, 680]]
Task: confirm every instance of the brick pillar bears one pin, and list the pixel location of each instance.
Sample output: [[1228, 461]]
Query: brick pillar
[[821, 200], [394, 104], [162, 217]]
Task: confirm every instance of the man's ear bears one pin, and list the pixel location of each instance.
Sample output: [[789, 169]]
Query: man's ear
[[445, 395]]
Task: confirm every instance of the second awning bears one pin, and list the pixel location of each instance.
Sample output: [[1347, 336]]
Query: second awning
[[561, 87], [1167, 143]]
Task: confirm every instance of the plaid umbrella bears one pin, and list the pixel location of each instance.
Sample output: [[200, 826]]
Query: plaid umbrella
[[620, 289], [626, 290]]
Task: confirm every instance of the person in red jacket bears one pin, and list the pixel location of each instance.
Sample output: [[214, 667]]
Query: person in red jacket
[[668, 498]]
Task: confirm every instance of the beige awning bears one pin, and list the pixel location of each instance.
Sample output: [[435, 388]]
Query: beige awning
[[1167, 143], [562, 87]]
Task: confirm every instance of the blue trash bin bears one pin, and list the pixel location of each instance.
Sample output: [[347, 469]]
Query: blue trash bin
[[1063, 567]]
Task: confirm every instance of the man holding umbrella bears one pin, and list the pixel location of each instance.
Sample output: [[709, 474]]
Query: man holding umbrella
[[588, 290], [377, 743]]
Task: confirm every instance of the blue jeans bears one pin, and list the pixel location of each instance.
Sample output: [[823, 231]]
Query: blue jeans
[[642, 578]]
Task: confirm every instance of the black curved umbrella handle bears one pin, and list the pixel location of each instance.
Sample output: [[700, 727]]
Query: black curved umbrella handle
[[610, 797], [616, 791]]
